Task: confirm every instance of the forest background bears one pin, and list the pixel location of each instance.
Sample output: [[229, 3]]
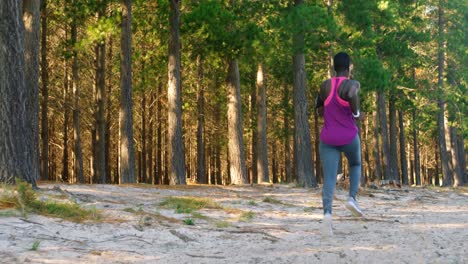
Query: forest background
[[222, 92]]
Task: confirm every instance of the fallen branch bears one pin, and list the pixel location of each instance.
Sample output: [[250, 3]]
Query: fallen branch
[[30, 221], [181, 236], [200, 256], [252, 231]]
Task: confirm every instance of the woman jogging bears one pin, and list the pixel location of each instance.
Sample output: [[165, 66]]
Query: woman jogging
[[338, 103]]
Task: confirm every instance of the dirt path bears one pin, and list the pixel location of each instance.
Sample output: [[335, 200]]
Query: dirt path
[[260, 224]]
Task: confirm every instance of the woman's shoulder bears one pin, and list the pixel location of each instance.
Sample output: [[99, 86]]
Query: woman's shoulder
[[354, 83]]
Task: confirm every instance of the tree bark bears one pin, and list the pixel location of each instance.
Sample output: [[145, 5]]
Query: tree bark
[[262, 144], [417, 163], [286, 132], [236, 150], [144, 153], [78, 155], [274, 165], [437, 167], [378, 163], [45, 95], [176, 143], [367, 153], [127, 156], [110, 178], [302, 144], [318, 164], [252, 172], [403, 159], [462, 157], [393, 160], [100, 113], [31, 19], [159, 154], [66, 114], [446, 173], [384, 133], [151, 178], [457, 176], [16, 142], [201, 164]]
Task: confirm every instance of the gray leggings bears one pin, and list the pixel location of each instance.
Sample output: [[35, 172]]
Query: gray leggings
[[330, 156]]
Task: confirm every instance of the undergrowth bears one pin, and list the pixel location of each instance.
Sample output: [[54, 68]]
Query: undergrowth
[[23, 198], [188, 204]]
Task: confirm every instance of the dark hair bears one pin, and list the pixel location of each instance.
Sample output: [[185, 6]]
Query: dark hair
[[341, 62]]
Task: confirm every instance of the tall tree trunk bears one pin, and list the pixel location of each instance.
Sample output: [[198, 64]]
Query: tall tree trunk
[[100, 123], [16, 142], [65, 160], [286, 132], [403, 159], [378, 163], [274, 165], [437, 167], [384, 132], [457, 176], [217, 145], [144, 153], [127, 156], [159, 155], [262, 144], [78, 157], [462, 157], [45, 95], [446, 173], [393, 160], [31, 19], [252, 170], [176, 143], [201, 164], [417, 163], [302, 145], [366, 152], [331, 69], [236, 151], [110, 178], [318, 164], [150, 148]]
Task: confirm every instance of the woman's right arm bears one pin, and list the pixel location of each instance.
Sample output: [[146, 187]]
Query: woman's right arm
[[353, 98]]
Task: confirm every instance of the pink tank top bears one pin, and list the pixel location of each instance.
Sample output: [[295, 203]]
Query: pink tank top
[[339, 128]]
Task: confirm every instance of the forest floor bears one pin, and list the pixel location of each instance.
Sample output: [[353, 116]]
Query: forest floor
[[245, 224]]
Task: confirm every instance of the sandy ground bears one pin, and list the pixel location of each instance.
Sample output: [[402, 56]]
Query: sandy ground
[[407, 225]]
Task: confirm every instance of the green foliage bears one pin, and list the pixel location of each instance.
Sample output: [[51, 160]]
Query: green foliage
[[198, 215], [271, 200], [35, 245], [222, 224], [8, 212], [129, 210], [23, 197], [247, 216], [188, 204], [252, 203], [189, 221]]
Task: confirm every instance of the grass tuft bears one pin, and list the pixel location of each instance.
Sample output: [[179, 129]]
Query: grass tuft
[[189, 204], [8, 213], [35, 245], [130, 210], [246, 216], [189, 221], [198, 215], [252, 203], [222, 224], [22, 197], [272, 200]]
